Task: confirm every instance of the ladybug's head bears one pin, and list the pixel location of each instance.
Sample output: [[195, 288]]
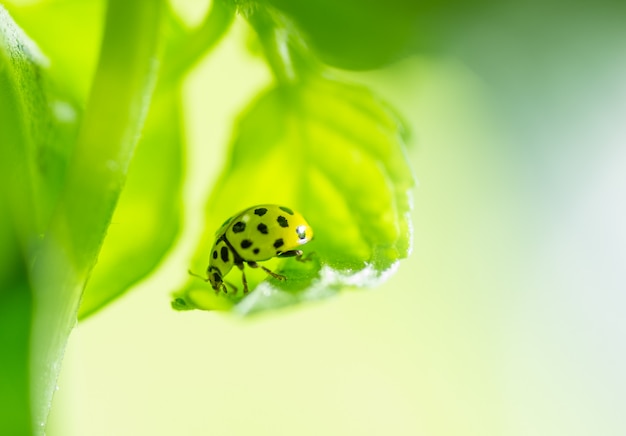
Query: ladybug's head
[[214, 277], [220, 263]]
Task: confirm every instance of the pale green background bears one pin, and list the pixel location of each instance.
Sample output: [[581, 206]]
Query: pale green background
[[508, 318]]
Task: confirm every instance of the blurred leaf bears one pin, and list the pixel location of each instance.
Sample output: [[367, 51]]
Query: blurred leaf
[[146, 220], [38, 139], [356, 34], [185, 47], [15, 317], [335, 153], [33, 156], [69, 202], [69, 32]]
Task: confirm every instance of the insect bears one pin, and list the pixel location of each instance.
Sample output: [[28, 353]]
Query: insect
[[254, 235]]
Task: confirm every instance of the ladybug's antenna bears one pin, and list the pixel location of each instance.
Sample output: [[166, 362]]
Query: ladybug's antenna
[[193, 274]]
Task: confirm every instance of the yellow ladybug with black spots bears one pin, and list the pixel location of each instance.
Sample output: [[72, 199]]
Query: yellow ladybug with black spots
[[254, 235]]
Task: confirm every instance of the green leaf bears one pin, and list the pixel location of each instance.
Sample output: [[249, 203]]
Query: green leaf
[[33, 156], [147, 218], [15, 317], [335, 153], [61, 207], [36, 139], [69, 33], [186, 48], [356, 34]]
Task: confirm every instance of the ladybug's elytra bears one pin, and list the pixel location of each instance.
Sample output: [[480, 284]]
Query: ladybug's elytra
[[254, 235]]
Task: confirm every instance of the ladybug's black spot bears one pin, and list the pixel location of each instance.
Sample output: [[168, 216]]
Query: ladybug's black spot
[[224, 254], [256, 251], [301, 231], [239, 227], [214, 254], [260, 211], [279, 243], [262, 228], [282, 221], [246, 243], [286, 209]]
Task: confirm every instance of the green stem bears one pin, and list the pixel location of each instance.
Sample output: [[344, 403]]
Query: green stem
[[113, 117], [203, 39]]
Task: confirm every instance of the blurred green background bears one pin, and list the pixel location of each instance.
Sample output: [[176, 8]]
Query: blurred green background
[[507, 319]]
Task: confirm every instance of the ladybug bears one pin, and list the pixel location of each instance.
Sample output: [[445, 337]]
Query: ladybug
[[254, 235]]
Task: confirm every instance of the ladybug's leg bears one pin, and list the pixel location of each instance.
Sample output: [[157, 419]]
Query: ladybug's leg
[[272, 273], [297, 254], [243, 278], [233, 287]]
